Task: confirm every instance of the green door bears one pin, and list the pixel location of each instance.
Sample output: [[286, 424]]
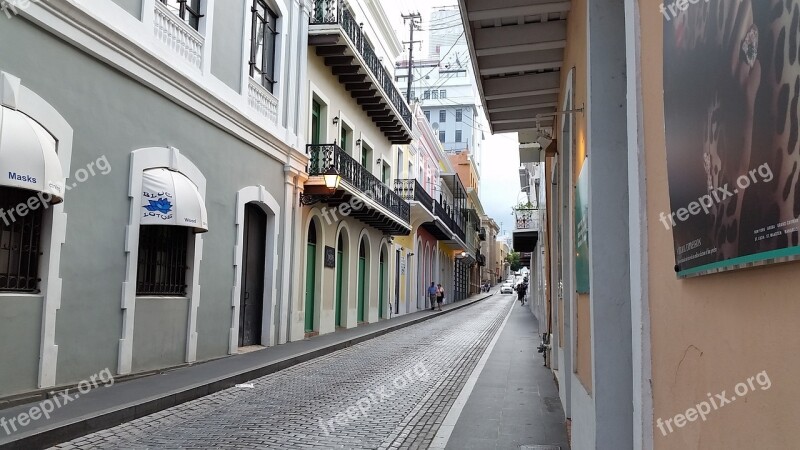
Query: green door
[[339, 270], [316, 123], [362, 264], [380, 289], [311, 264]]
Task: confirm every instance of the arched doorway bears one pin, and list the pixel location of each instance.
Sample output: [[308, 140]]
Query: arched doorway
[[251, 298], [420, 277], [341, 263], [362, 282], [381, 282], [311, 276]]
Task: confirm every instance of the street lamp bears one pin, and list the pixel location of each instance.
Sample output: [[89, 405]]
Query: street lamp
[[318, 193], [332, 179]]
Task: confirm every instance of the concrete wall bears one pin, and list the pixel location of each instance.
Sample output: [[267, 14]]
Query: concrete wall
[[134, 7], [21, 316], [112, 115], [712, 332], [226, 54]]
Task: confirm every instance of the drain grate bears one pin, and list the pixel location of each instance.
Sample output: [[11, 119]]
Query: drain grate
[[539, 447]]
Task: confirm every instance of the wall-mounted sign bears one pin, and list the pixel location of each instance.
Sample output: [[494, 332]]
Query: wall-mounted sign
[[330, 256], [730, 110], [402, 266], [582, 230]]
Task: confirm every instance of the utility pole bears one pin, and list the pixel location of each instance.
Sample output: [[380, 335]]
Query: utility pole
[[413, 22]]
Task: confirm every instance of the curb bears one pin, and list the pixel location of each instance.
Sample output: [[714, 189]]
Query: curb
[[101, 420]]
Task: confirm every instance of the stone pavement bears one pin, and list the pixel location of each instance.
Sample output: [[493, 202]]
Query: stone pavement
[[514, 402], [392, 391], [124, 401]]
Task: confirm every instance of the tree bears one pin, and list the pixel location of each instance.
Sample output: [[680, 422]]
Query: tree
[[513, 261]]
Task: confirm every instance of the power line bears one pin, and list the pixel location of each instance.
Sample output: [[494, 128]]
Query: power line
[[443, 57]]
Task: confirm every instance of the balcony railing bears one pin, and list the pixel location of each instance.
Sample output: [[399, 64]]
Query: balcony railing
[[527, 219], [176, 34], [447, 217], [323, 156], [329, 12], [411, 190]]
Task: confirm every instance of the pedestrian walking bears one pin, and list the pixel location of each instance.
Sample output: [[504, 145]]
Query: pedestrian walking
[[432, 294], [439, 297], [522, 288]]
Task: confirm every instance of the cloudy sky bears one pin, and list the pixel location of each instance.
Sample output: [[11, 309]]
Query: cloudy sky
[[499, 176]]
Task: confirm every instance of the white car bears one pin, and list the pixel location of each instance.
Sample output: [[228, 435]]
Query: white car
[[506, 289]]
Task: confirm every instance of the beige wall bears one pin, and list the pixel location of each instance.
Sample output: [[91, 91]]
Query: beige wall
[[339, 103], [575, 60], [712, 332]]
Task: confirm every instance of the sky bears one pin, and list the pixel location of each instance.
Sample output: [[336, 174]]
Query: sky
[[499, 188]]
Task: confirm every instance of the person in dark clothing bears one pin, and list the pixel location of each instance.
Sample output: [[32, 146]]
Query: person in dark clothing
[[522, 288]]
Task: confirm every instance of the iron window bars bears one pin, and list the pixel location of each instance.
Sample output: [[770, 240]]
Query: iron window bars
[[20, 238], [162, 260]]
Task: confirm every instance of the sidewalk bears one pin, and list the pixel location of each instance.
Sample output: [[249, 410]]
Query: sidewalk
[[124, 401], [514, 403]]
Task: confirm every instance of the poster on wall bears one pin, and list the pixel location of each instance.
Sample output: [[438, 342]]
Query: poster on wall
[[731, 89], [582, 230]]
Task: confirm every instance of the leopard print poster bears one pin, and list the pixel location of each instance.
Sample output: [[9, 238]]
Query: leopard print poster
[[731, 89]]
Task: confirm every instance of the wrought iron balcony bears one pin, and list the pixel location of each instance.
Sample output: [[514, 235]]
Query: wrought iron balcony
[[447, 215], [526, 231], [411, 190], [527, 219], [324, 156], [482, 234], [345, 56]]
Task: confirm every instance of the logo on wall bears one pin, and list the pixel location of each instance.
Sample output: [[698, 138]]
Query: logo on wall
[[159, 205]]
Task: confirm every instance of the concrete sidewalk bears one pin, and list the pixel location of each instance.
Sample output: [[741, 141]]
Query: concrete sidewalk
[[514, 403], [103, 407]]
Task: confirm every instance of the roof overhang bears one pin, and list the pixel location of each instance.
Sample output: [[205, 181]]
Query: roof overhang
[[517, 50]]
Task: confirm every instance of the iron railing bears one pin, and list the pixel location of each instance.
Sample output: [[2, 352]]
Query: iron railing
[[324, 156], [329, 12], [527, 219], [447, 216], [411, 190]]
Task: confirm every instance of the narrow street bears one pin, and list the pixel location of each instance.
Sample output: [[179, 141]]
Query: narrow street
[[390, 392]]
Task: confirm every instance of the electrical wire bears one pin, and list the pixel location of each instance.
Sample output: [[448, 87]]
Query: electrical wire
[[443, 57]]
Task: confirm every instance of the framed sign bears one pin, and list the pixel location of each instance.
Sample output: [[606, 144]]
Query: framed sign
[[330, 256], [730, 111]]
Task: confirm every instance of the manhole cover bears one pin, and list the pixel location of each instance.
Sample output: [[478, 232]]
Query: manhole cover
[[539, 447]]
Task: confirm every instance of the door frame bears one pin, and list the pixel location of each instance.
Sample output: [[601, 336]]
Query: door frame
[[259, 196], [247, 246]]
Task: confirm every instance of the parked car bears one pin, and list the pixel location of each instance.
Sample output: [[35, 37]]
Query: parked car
[[506, 289]]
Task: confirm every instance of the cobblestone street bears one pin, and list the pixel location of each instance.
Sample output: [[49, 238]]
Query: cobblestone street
[[390, 392]]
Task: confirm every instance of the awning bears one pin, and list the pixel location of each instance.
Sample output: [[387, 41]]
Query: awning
[[169, 198], [28, 158]]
